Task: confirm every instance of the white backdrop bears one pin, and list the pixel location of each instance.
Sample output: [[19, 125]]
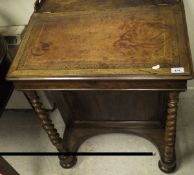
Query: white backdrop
[[15, 12]]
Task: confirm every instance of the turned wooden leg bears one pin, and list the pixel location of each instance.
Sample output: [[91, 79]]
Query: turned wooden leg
[[65, 161], [168, 159]]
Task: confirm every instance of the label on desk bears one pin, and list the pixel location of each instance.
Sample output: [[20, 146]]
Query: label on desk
[[177, 70]]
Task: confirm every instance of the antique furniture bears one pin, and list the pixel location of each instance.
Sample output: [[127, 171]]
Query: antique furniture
[[6, 89], [113, 66]]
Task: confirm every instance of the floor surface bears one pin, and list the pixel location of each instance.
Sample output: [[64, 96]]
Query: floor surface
[[20, 131]]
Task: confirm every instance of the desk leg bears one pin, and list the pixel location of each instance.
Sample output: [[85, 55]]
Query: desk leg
[[168, 159], [48, 126]]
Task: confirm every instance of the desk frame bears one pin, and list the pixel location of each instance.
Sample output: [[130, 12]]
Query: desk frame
[[163, 139]]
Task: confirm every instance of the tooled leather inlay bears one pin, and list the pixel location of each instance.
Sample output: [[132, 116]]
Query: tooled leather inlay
[[102, 42]]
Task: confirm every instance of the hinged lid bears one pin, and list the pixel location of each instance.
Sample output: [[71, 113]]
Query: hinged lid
[[83, 41]]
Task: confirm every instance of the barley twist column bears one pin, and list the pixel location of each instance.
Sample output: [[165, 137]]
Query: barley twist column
[[168, 161], [48, 126]]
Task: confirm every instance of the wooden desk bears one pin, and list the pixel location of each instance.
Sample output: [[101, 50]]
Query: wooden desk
[[117, 53]]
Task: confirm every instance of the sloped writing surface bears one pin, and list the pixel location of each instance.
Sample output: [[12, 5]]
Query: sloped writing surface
[[110, 40], [126, 41]]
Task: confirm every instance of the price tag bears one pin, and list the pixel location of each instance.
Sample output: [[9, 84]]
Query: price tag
[[177, 70]]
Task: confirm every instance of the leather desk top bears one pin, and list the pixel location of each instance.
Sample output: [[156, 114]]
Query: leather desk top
[[116, 43]]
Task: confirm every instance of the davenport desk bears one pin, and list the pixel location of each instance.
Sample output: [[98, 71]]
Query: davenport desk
[[119, 65]]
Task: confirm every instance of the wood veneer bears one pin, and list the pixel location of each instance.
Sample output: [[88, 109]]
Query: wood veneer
[[95, 59]]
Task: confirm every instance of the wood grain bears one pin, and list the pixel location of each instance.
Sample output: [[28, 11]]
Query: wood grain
[[85, 5], [104, 84], [46, 122], [111, 106], [94, 47], [168, 159], [48, 126], [124, 41]]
